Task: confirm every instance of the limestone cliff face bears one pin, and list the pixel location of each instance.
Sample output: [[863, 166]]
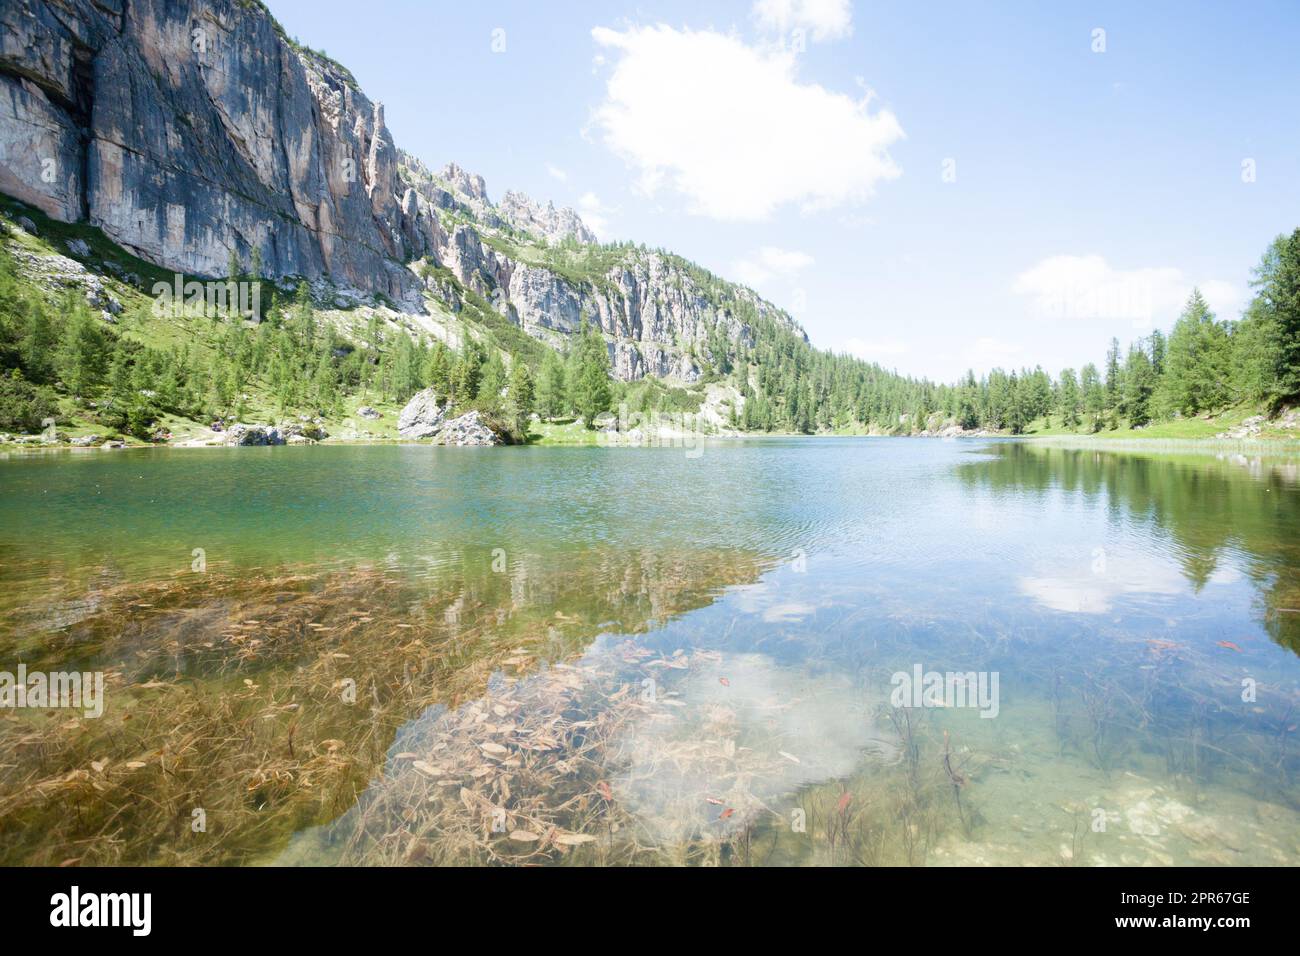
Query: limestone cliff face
[[656, 317], [188, 129], [185, 130]]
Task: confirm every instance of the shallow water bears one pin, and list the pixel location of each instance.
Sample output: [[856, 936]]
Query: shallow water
[[416, 655]]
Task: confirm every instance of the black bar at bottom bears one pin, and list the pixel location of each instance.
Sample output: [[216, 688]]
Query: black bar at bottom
[[337, 906]]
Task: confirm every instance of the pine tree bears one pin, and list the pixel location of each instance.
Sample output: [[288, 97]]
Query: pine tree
[[1139, 382], [519, 395], [591, 391], [119, 377], [1197, 362], [1067, 398], [1093, 395], [1112, 376], [1017, 410], [493, 381], [438, 371], [465, 374], [324, 384], [1038, 393], [968, 403], [551, 392], [82, 354], [37, 347], [1276, 312], [1254, 353]]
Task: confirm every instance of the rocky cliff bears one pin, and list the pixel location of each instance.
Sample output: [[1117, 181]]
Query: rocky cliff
[[189, 129], [543, 270]]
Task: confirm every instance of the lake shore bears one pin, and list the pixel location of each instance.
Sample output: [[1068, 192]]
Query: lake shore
[[1240, 446], [1244, 446], [1238, 430]]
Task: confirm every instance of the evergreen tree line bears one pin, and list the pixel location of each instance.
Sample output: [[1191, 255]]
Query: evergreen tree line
[[49, 354], [1204, 364], [63, 353]]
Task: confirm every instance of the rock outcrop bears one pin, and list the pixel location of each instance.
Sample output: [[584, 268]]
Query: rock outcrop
[[468, 429], [298, 432], [659, 314], [188, 130], [252, 435], [554, 224], [57, 273], [422, 416]]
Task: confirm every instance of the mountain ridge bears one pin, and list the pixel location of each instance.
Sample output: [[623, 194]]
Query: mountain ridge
[[200, 134]]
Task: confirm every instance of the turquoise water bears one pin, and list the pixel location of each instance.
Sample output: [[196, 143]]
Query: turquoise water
[[609, 656]]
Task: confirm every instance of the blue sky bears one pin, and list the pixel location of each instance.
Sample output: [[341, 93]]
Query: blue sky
[[934, 187]]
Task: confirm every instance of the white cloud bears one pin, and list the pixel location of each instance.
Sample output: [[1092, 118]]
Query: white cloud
[[770, 261], [1224, 299], [825, 19], [731, 128], [1083, 591], [556, 172], [594, 213], [1087, 287]]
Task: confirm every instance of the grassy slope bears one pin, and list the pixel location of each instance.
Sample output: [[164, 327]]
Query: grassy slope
[[1197, 433], [112, 263], [476, 318], [562, 433], [136, 322]]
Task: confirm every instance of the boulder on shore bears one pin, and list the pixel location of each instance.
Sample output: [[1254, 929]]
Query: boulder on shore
[[309, 432], [246, 435], [422, 417], [468, 429]]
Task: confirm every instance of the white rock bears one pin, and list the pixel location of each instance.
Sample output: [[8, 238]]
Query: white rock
[[422, 417]]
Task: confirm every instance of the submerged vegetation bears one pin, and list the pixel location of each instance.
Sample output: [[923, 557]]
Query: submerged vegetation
[[268, 701], [594, 703], [383, 728]]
